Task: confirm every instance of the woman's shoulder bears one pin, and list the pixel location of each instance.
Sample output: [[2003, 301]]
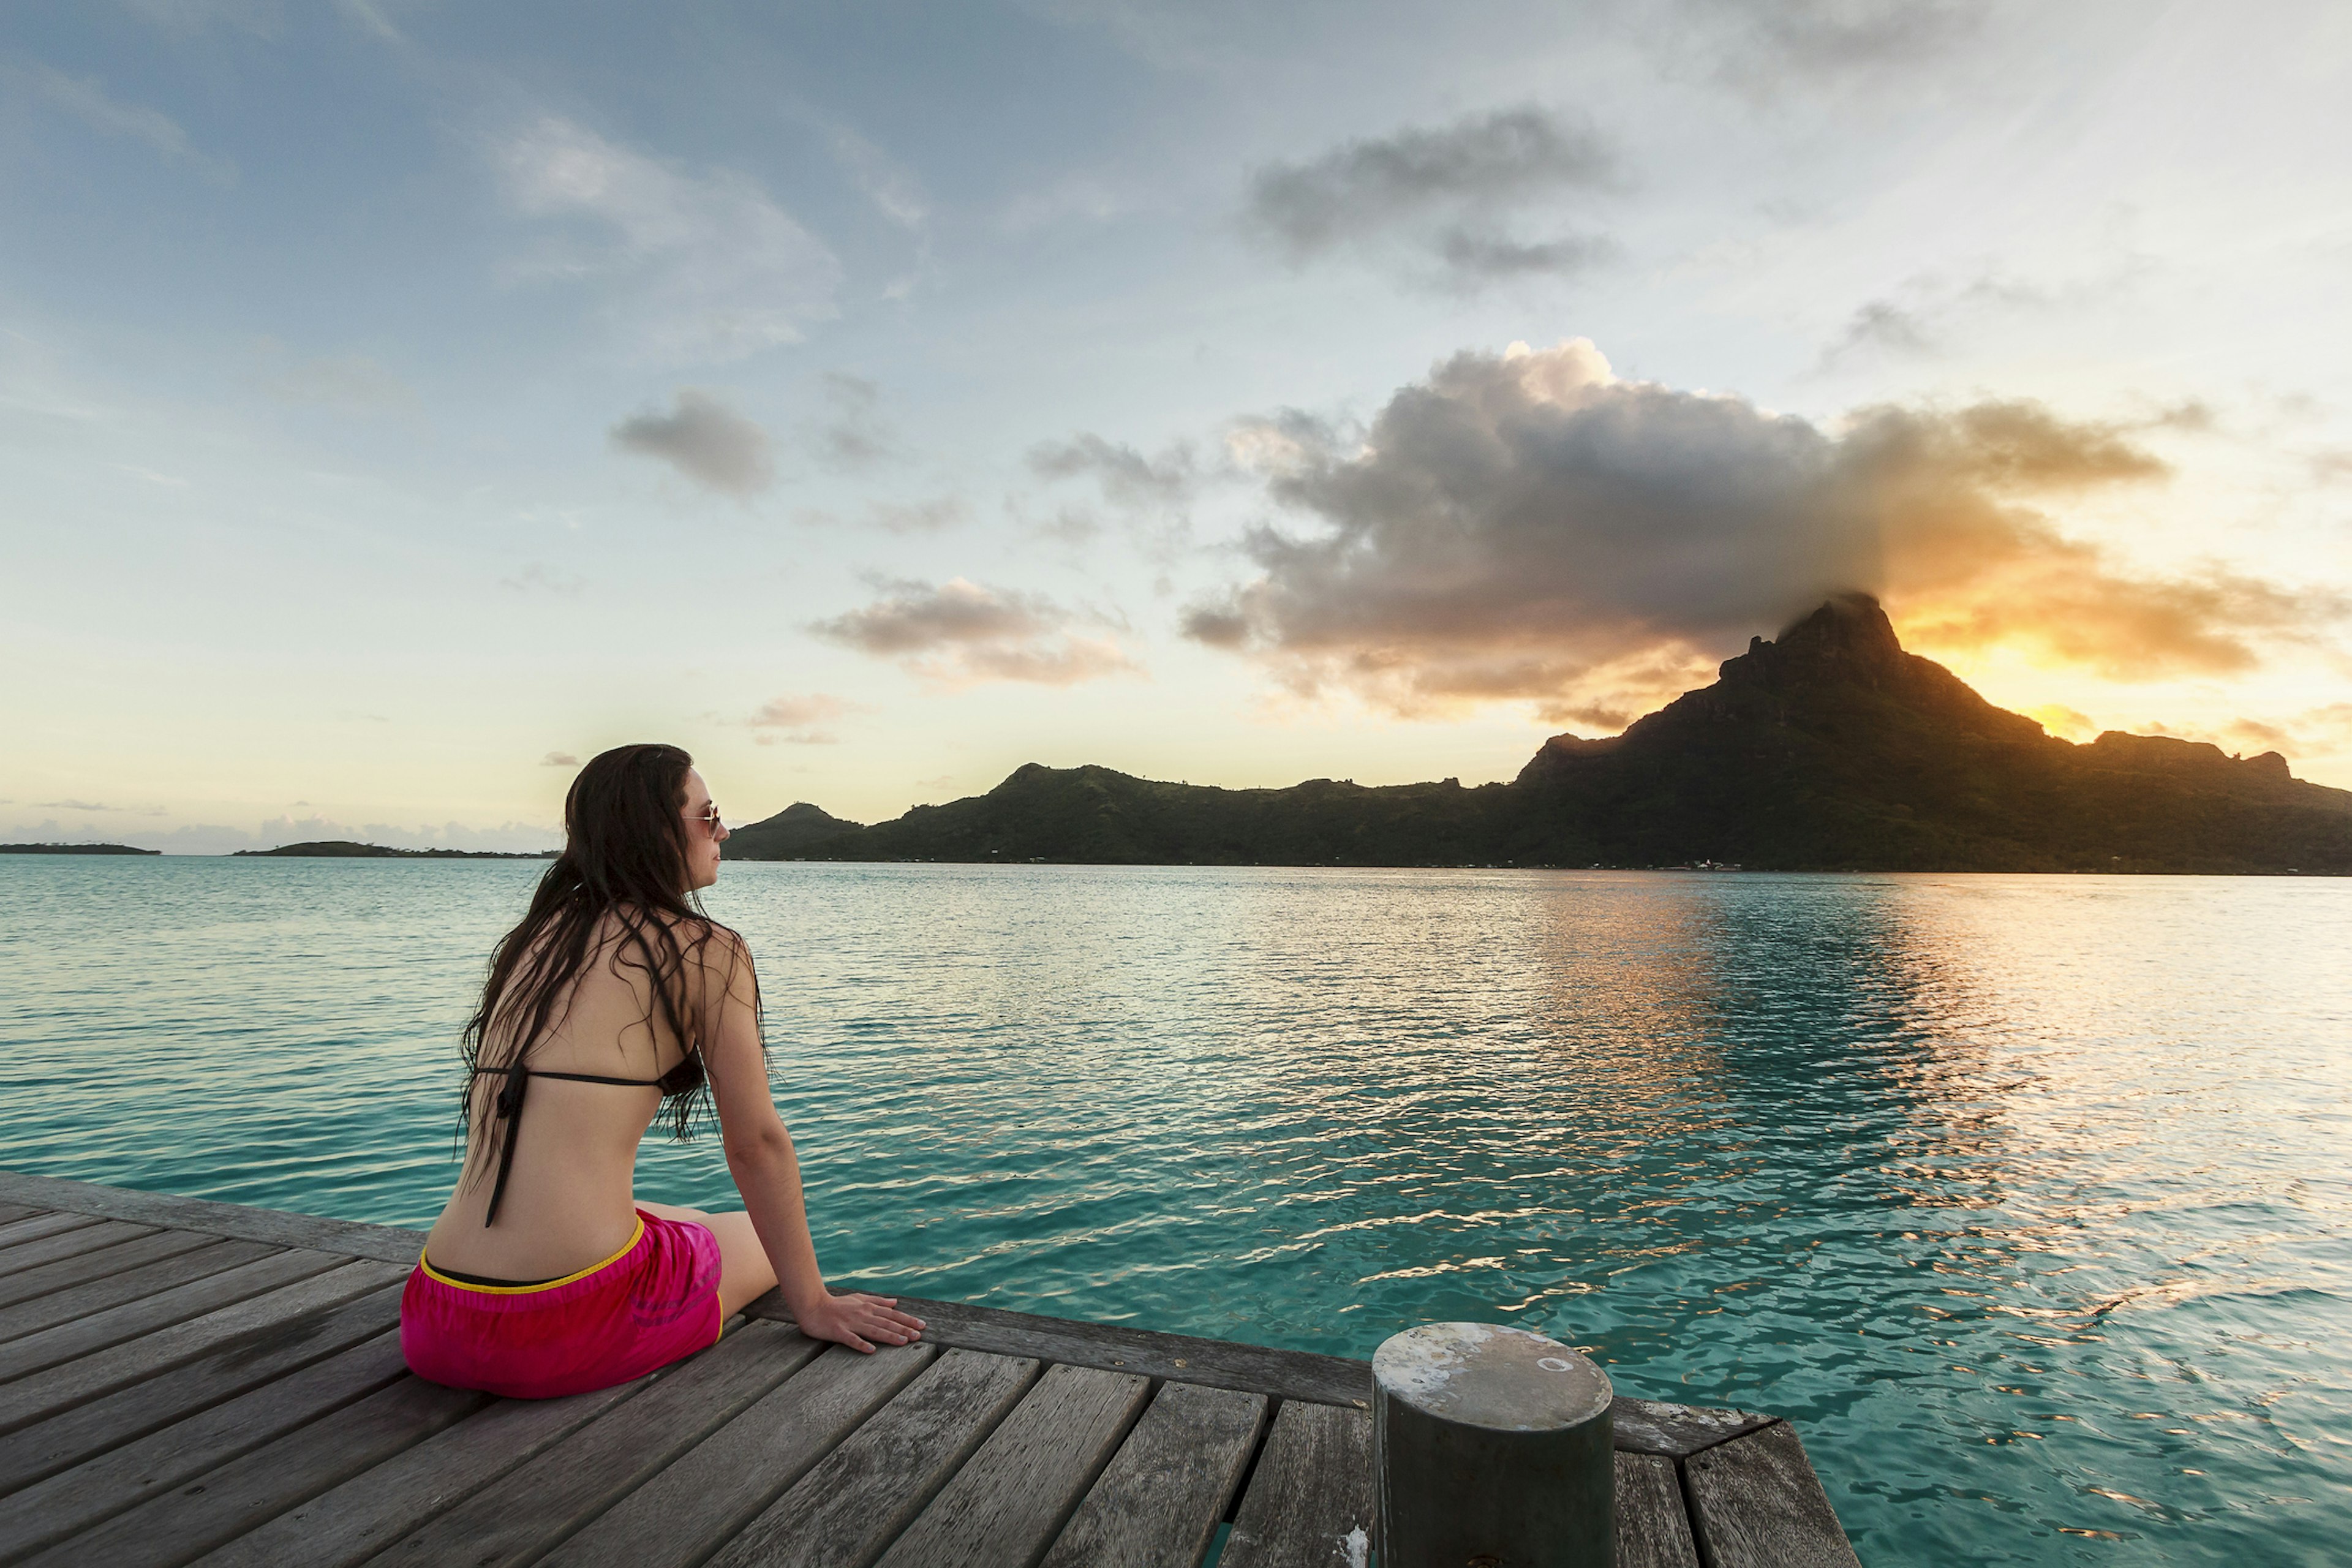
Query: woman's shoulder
[[698, 940]]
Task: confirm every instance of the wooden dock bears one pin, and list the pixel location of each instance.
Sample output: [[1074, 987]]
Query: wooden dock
[[192, 1381]]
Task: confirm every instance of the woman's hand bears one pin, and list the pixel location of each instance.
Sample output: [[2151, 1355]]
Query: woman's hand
[[859, 1321]]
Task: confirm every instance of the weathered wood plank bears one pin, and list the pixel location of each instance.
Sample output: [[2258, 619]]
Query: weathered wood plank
[[536, 1506], [687, 1511], [384, 1243], [11, 1213], [70, 1243], [1677, 1431], [94, 1424], [1181, 1358], [1754, 1503], [353, 1522], [127, 1320], [1309, 1502], [858, 1498], [34, 1227], [182, 1523], [1652, 1531], [57, 1388], [1158, 1502], [1010, 1500], [108, 1483], [129, 1260]]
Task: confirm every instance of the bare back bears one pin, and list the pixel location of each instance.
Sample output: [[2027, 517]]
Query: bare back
[[567, 1204]]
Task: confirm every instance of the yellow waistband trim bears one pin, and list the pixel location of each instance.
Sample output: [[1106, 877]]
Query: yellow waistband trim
[[432, 1273]]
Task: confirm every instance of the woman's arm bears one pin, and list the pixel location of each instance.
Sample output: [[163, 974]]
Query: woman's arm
[[767, 1172]]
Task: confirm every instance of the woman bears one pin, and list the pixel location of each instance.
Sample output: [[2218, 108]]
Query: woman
[[615, 996]]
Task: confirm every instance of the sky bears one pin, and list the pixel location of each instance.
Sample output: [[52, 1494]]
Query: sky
[[402, 402]]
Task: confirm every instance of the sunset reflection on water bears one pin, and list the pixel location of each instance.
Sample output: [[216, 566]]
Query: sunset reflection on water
[[2025, 1197]]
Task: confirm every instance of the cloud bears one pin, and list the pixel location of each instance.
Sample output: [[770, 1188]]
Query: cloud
[[888, 184], [559, 760], [802, 721], [700, 268], [87, 100], [1928, 310], [1765, 41], [1152, 494], [541, 578], [1529, 525], [932, 516], [854, 434], [349, 383], [99, 806], [704, 439], [1439, 192], [960, 633], [1880, 324]]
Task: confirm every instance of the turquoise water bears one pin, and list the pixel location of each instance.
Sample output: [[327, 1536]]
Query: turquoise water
[[2025, 1197]]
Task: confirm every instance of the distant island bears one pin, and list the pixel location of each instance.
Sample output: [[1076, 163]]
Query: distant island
[[74, 849], [344, 850], [1828, 749]]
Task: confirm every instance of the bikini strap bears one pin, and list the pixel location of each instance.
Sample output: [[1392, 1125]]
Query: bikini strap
[[508, 1108]]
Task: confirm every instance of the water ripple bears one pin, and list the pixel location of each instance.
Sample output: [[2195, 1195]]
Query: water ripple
[[2025, 1197]]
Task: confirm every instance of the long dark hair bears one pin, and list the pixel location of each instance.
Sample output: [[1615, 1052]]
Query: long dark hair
[[625, 859]]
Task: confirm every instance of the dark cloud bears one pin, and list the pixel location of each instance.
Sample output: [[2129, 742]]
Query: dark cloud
[[1764, 46], [960, 632], [1529, 525], [1471, 258], [1439, 192], [704, 439], [1882, 325]]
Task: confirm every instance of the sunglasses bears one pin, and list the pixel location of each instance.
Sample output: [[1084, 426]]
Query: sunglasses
[[709, 817]]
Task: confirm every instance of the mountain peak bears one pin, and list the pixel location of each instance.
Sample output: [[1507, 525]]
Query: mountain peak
[[1847, 626]]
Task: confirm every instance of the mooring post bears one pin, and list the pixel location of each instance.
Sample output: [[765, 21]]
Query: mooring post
[[1491, 1449]]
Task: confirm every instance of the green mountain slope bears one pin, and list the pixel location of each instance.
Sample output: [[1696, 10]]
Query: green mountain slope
[[1830, 748]]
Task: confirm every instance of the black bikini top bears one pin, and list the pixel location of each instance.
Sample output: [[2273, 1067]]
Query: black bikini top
[[683, 1079]]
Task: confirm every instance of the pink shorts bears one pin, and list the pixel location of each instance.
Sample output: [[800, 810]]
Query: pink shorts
[[646, 1306]]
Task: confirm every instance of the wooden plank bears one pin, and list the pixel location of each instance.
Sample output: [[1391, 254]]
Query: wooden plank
[[1309, 1502], [11, 1213], [1652, 1531], [384, 1243], [32, 1227], [116, 1479], [1180, 1358], [181, 1524], [18, 1291], [687, 1511], [1010, 1500], [146, 1314], [1677, 1431], [94, 1424], [858, 1498], [1158, 1502], [536, 1506], [1754, 1503], [353, 1522], [70, 1243], [47, 1393]]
